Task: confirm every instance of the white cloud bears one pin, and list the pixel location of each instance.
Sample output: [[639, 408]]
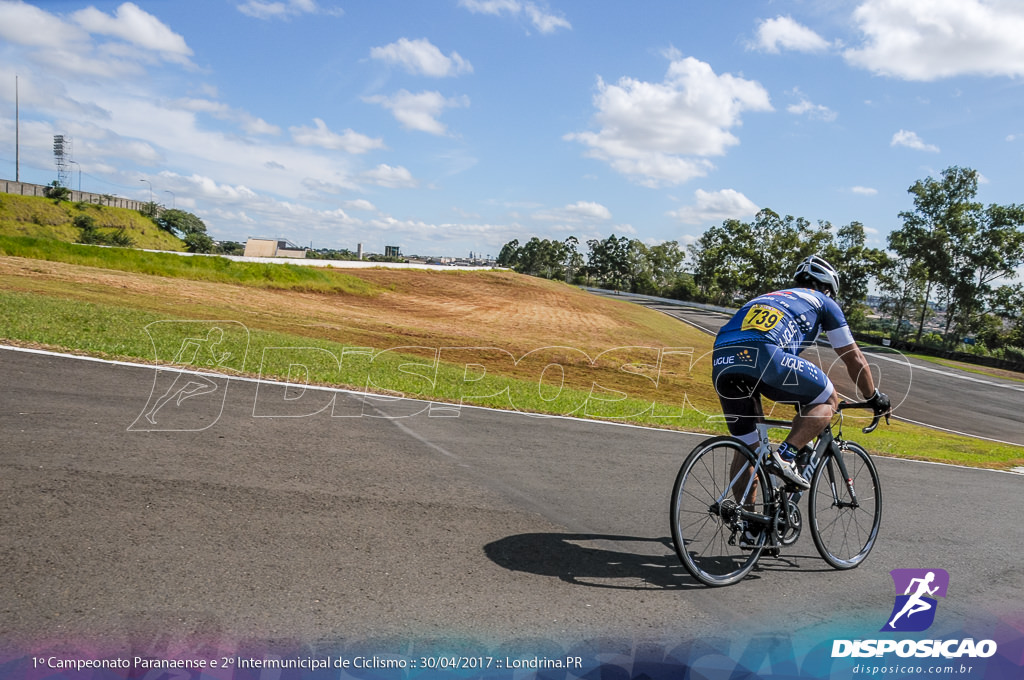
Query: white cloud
[[911, 140], [864, 191], [421, 57], [360, 204], [389, 176], [259, 9], [716, 206], [806, 107], [320, 136], [918, 40], [589, 210], [137, 27], [774, 35], [662, 133], [68, 45], [419, 111], [581, 211], [23, 24], [248, 122], [540, 17]]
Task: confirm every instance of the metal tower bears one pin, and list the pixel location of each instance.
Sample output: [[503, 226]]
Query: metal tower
[[62, 152]]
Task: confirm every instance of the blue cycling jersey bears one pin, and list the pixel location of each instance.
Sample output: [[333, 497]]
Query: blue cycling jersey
[[790, 319]]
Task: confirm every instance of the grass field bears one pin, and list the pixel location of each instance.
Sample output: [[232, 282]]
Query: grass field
[[490, 338], [37, 217]]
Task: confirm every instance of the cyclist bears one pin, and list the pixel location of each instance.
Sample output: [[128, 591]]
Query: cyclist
[[756, 353]]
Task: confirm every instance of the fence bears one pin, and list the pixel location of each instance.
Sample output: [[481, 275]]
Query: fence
[[25, 189]]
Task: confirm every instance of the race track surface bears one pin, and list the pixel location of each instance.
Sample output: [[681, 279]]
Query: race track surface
[[922, 392], [216, 522]]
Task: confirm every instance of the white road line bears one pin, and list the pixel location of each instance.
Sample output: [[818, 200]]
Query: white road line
[[957, 432], [916, 367], [371, 395]]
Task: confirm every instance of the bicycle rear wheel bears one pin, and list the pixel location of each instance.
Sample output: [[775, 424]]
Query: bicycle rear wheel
[[711, 502], [845, 527]]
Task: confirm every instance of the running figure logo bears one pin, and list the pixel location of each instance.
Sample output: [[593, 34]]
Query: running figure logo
[[189, 387], [916, 590]]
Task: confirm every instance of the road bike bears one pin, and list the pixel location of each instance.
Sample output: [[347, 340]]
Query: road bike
[[730, 505]]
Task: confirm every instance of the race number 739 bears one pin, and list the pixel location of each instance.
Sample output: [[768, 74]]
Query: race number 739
[[761, 318]]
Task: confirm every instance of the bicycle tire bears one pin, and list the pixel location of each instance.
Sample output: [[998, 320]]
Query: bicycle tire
[[706, 539], [844, 535]]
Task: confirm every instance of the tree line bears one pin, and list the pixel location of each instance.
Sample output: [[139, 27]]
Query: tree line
[[952, 258]]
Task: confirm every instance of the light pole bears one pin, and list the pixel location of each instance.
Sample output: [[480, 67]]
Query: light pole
[[172, 197], [150, 188]]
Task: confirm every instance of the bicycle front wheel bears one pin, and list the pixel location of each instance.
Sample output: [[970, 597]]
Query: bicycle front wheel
[[713, 503], [845, 510]]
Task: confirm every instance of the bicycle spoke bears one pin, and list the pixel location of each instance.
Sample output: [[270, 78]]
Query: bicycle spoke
[[844, 532], [706, 514]]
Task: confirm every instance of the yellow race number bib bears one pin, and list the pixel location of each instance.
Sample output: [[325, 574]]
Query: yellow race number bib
[[761, 318]]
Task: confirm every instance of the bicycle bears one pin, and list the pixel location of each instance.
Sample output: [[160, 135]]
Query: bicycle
[[721, 528]]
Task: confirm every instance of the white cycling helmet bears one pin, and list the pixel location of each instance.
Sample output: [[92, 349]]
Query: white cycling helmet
[[817, 269]]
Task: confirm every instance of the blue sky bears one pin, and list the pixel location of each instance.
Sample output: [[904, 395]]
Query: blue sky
[[451, 126]]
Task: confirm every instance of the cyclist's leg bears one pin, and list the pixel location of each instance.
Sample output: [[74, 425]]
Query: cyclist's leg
[[810, 421], [736, 386], [790, 379]]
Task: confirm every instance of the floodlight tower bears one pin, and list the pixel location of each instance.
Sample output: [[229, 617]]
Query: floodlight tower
[[62, 152]]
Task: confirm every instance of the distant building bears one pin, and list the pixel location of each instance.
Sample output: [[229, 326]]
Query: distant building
[[392, 251], [273, 247]]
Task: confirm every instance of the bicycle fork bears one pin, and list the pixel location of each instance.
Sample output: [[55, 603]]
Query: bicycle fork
[[831, 461]]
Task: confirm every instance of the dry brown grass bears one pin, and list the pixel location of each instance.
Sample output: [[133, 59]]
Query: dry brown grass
[[431, 309]]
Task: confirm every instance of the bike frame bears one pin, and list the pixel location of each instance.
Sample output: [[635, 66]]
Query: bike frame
[[827, 446], [712, 525]]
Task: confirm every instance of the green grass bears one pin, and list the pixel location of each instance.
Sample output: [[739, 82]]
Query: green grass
[[113, 331], [119, 333], [195, 268], [38, 217]]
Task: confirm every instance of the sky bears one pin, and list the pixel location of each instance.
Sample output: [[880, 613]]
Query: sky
[[450, 127]]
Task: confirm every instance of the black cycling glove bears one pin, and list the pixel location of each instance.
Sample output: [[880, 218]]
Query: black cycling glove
[[880, 404]]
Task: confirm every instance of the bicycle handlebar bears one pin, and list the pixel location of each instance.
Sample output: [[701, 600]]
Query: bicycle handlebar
[[865, 404]]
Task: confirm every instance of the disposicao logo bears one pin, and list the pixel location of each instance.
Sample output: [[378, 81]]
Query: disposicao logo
[[916, 590], [914, 611]]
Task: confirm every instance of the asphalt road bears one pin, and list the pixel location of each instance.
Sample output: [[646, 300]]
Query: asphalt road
[[922, 392], [213, 525]]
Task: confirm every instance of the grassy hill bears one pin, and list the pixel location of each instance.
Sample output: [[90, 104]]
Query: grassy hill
[[39, 217], [490, 338]]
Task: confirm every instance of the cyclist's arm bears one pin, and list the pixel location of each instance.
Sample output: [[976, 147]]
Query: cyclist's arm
[[858, 368]]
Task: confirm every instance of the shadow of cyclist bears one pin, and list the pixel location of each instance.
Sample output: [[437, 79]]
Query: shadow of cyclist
[[594, 560]]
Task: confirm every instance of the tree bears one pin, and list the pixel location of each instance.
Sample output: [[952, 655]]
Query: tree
[[574, 265], [857, 263], [941, 209], [993, 249], [509, 255], [236, 248], [608, 261], [716, 272], [745, 259], [57, 192], [958, 248], [179, 222], [198, 242], [902, 288], [667, 261], [188, 228]]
